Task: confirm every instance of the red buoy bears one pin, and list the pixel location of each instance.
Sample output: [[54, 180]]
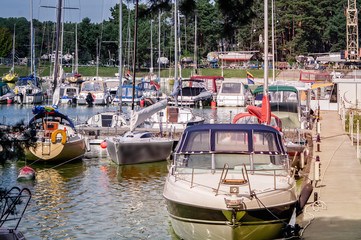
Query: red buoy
[[213, 104], [103, 144], [142, 103]]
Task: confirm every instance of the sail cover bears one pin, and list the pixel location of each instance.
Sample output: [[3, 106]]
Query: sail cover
[[140, 116]]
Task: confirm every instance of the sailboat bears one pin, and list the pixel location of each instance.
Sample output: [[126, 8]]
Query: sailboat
[[28, 88], [57, 137], [11, 77], [139, 146]]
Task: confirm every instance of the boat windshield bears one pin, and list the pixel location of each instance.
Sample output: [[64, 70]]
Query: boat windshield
[[232, 142], [232, 88], [261, 162], [92, 86], [280, 96]]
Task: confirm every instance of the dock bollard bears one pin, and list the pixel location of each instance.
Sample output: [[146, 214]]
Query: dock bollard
[[318, 141], [317, 169], [318, 126], [302, 159]]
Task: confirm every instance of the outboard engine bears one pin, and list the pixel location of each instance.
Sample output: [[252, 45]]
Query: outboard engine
[[89, 99]]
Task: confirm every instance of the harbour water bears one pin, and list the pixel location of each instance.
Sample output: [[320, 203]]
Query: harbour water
[[94, 198]]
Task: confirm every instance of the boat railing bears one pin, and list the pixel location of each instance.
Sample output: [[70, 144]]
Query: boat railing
[[240, 181], [13, 203]]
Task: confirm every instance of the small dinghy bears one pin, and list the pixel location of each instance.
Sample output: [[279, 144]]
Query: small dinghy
[[26, 173]]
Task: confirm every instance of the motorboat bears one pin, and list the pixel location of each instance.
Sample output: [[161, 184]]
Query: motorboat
[[138, 147], [57, 138], [230, 181], [65, 94], [233, 94], [6, 94], [112, 85], [285, 102], [173, 118], [127, 93], [193, 91], [212, 83], [93, 92], [107, 119], [150, 87], [28, 90]]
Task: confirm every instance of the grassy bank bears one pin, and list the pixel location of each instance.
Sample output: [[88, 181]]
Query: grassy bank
[[44, 70]]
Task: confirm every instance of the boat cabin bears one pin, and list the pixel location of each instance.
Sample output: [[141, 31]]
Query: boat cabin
[[211, 146]]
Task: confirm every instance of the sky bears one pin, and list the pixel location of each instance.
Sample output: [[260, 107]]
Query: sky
[[96, 10]]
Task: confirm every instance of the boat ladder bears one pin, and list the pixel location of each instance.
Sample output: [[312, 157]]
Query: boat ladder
[[46, 146], [224, 180]]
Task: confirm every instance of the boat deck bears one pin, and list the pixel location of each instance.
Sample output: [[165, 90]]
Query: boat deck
[[339, 188]]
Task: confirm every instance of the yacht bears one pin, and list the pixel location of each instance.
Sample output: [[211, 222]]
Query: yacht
[[230, 181]]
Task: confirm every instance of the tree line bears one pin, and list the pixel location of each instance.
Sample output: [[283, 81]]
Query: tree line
[[301, 27]]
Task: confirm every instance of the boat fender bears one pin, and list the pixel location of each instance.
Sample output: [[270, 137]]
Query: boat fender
[[304, 196], [55, 133]]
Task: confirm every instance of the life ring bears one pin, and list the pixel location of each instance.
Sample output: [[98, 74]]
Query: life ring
[[55, 133]]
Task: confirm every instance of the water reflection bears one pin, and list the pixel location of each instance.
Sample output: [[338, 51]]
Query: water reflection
[[95, 198]]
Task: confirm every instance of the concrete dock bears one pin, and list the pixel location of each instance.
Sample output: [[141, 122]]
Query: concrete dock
[[338, 212]]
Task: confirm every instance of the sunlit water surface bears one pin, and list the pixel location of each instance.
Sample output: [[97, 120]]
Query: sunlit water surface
[[94, 198]]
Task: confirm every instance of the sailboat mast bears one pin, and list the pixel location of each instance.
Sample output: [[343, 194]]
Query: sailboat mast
[[135, 50], [58, 20], [175, 48], [31, 38], [265, 87], [151, 46], [120, 54], [13, 69], [273, 44], [159, 46], [76, 49], [195, 41]]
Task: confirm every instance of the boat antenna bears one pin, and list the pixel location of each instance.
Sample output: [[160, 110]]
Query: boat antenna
[[135, 49], [58, 20]]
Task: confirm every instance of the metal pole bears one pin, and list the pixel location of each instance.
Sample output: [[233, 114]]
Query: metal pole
[[175, 48], [135, 49], [265, 87], [31, 38], [14, 50], [273, 44], [120, 54], [151, 46], [159, 46], [195, 41], [76, 49], [57, 44]]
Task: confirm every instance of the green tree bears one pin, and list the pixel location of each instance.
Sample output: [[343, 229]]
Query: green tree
[[5, 42]]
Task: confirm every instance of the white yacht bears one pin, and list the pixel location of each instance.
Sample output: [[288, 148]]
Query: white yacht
[[230, 181]]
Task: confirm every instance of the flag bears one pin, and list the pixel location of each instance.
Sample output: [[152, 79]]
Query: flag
[[250, 78], [156, 85]]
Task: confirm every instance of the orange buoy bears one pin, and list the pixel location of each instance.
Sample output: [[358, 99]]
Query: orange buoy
[[213, 104], [103, 144]]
